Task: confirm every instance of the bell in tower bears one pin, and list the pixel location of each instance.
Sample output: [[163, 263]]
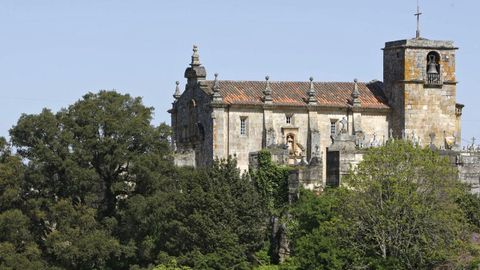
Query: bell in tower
[[420, 85], [432, 64], [433, 69]]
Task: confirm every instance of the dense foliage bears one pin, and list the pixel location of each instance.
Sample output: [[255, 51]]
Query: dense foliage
[[401, 208], [93, 186], [271, 181]]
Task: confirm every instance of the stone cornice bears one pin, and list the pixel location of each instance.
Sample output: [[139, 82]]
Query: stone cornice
[[317, 108], [218, 105], [420, 47], [423, 82]]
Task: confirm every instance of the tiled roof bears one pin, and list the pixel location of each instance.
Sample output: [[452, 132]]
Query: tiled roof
[[330, 94]]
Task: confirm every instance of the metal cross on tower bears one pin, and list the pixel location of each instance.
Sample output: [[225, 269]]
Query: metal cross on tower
[[418, 20]]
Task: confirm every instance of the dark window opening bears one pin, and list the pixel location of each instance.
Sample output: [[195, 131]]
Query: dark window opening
[[243, 126], [288, 118], [333, 127], [433, 69]]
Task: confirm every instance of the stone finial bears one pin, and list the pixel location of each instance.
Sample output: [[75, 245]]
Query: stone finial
[[267, 93], [356, 95], [311, 93], [196, 72], [216, 90], [195, 57], [176, 95]]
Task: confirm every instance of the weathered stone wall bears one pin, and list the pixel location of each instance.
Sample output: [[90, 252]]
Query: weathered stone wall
[[418, 107], [185, 158], [468, 165], [430, 110], [193, 126], [324, 119], [299, 122], [240, 145], [347, 156], [375, 124], [220, 131], [309, 177], [393, 76], [371, 123]]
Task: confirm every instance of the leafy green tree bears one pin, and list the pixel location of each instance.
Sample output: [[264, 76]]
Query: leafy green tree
[[18, 249], [206, 219], [11, 174], [403, 208], [87, 151], [320, 235], [470, 203], [271, 181], [82, 164], [76, 240]]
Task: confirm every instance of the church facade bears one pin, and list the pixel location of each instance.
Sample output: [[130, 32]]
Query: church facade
[[416, 100]]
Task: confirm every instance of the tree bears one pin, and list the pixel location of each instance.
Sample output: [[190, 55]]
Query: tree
[[18, 249], [403, 207], [271, 181], [95, 154], [320, 235], [75, 240], [206, 219], [87, 151], [11, 173]]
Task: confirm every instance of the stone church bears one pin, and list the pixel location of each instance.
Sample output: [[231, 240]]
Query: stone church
[[416, 101]]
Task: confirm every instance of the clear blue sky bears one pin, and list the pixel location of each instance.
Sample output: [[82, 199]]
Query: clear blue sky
[[54, 51]]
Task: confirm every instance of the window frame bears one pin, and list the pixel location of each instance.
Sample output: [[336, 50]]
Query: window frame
[[333, 127], [243, 126], [289, 119]]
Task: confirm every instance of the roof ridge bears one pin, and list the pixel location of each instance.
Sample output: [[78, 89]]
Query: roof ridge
[[242, 81]]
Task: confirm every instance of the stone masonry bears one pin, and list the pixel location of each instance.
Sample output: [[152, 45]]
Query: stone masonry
[[323, 127]]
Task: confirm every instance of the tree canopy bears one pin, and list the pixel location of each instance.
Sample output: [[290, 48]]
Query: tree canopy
[[398, 209], [93, 186]]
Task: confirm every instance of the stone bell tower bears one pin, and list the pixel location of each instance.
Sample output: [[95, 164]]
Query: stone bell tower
[[420, 84]]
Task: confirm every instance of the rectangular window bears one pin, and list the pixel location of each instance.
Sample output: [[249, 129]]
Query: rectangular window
[[333, 127], [288, 119], [243, 125]]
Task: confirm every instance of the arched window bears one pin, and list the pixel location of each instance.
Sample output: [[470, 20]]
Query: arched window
[[433, 68]]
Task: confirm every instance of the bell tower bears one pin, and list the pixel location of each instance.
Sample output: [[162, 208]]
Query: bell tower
[[420, 84]]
